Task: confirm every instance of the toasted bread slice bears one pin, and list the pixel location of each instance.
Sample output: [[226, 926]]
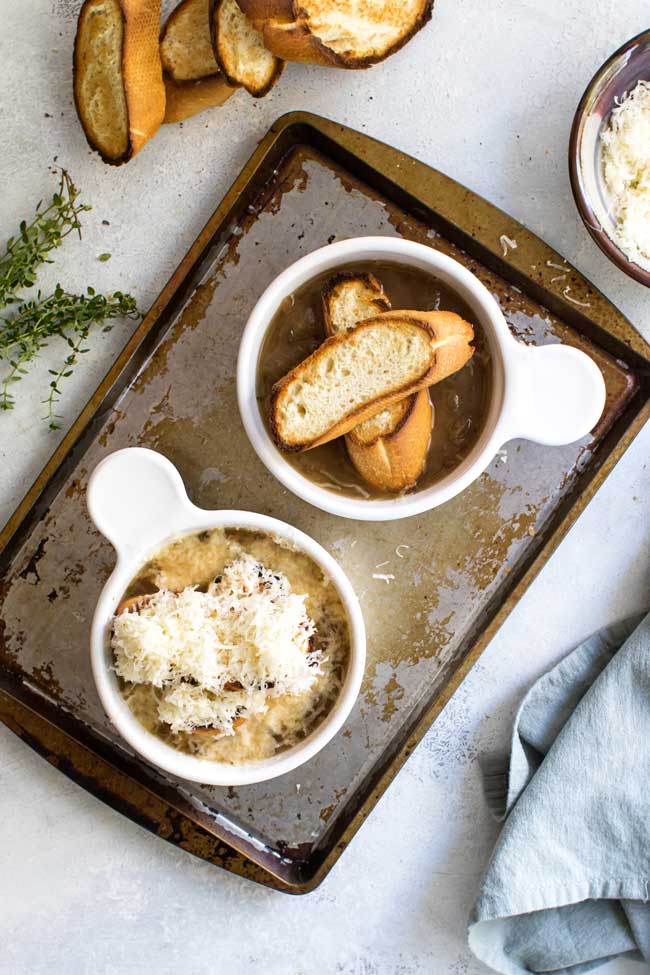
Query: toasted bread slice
[[118, 85], [390, 449], [240, 51], [357, 373], [193, 79], [349, 298], [394, 461], [186, 45], [187, 98], [343, 33]]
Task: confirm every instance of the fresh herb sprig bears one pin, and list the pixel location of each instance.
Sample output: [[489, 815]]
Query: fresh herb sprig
[[36, 240], [61, 314], [34, 322]]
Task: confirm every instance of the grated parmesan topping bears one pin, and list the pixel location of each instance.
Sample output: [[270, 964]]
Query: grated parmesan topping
[[248, 631], [626, 170]]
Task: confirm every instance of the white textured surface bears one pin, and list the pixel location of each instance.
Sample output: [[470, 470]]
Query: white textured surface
[[485, 93]]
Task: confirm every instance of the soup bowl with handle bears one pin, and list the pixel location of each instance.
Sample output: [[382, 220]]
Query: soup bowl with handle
[[137, 500], [551, 394]]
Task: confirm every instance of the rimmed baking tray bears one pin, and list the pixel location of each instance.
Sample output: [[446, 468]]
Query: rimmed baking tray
[[434, 589]]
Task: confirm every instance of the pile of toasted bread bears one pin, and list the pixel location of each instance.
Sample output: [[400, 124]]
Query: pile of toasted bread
[[129, 78], [368, 381]]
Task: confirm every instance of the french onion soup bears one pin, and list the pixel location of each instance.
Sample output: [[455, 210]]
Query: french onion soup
[[341, 337], [230, 645]]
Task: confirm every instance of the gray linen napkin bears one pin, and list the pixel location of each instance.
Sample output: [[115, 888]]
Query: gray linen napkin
[[568, 886]]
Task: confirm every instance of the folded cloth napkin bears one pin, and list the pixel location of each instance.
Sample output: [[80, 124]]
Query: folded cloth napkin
[[568, 886]]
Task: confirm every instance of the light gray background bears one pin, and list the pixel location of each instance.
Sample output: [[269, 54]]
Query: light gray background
[[486, 93]]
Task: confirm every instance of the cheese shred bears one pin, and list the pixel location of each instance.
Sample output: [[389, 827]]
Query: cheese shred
[[625, 143], [219, 655]]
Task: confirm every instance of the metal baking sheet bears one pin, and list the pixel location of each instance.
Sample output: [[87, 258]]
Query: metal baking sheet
[[430, 609]]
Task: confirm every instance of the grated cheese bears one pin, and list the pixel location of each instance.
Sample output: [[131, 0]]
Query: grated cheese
[[248, 631], [567, 294], [625, 146]]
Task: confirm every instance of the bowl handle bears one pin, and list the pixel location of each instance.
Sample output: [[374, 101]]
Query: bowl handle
[[556, 396], [136, 498]]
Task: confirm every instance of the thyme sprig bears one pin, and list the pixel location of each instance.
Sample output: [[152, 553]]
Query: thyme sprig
[[61, 314], [35, 241], [34, 322]]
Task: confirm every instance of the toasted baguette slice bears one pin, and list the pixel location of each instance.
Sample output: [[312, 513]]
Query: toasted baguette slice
[[343, 33], [355, 374], [349, 298], [187, 98], [240, 51], [186, 45], [193, 80], [390, 449], [118, 85], [394, 461]]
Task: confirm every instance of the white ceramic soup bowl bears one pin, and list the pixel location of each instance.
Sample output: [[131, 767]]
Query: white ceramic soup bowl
[[552, 394], [137, 500]]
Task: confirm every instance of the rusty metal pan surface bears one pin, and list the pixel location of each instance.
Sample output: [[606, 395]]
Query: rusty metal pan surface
[[173, 388]]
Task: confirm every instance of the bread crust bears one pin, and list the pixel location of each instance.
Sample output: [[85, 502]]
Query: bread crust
[[293, 42], [258, 10], [142, 69], [450, 337], [187, 98], [141, 74], [298, 42], [257, 91]]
